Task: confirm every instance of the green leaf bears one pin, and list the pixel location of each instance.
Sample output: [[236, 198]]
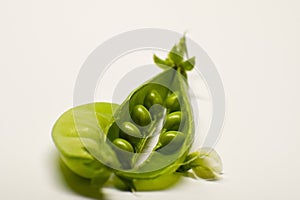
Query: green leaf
[[176, 58], [164, 64], [188, 65], [176, 55], [182, 46]]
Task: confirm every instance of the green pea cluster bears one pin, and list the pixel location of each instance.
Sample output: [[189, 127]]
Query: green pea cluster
[[128, 135]]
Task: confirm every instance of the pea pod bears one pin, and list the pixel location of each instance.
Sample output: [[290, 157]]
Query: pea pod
[[73, 153], [148, 184], [163, 98], [145, 141]]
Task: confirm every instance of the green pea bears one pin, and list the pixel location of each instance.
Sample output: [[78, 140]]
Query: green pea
[[123, 144], [172, 102], [141, 115], [130, 132], [170, 141], [113, 132], [167, 137], [173, 121], [130, 129], [153, 97]]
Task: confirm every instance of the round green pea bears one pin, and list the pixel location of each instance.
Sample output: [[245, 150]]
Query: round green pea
[[171, 141], [172, 102], [140, 115], [123, 144], [113, 132], [173, 121], [130, 129], [130, 132], [153, 97]]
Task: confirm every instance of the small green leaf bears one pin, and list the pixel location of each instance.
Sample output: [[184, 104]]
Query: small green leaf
[[175, 55], [176, 58], [182, 46], [170, 62], [188, 65], [164, 64]]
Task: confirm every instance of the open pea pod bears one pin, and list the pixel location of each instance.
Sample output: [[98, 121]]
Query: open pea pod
[[145, 141], [153, 129], [68, 134]]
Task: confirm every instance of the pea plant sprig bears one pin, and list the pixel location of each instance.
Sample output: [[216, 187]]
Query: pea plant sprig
[[177, 58], [145, 142]]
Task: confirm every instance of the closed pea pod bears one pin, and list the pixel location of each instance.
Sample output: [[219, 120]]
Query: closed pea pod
[[140, 115]]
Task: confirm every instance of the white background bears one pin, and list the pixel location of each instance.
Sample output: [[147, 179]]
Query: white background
[[254, 44]]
